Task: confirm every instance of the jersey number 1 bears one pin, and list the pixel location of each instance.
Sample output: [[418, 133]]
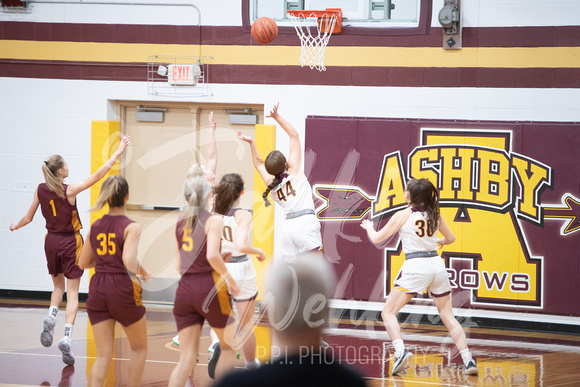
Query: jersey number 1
[[53, 207]]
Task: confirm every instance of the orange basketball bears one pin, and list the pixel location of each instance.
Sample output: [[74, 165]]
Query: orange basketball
[[264, 30]]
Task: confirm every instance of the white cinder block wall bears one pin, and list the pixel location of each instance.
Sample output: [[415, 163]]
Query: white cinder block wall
[[40, 117]]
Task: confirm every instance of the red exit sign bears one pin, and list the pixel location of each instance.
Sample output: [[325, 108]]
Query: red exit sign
[[186, 75]]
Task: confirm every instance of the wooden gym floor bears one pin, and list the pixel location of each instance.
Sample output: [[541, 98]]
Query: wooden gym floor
[[504, 357]]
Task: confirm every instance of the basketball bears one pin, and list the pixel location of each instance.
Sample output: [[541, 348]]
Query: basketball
[[264, 30]]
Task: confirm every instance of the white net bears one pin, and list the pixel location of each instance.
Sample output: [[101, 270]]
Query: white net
[[314, 33]]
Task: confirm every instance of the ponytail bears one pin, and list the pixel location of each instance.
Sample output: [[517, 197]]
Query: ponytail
[[195, 190], [424, 194], [227, 192], [113, 192], [50, 168], [432, 209]]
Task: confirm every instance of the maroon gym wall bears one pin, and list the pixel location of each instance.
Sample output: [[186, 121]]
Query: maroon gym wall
[[517, 222]]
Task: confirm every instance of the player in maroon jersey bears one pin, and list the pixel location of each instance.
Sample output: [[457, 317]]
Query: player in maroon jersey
[[207, 171], [115, 291], [63, 242], [202, 292]]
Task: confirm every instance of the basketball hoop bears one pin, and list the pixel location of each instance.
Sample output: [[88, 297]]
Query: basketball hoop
[[313, 43]]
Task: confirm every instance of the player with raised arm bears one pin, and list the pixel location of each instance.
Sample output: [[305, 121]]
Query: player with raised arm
[[289, 187], [115, 291], [63, 241], [423, 268]]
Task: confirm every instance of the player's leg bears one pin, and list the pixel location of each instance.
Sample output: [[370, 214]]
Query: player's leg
[[395, 302], [59, 289], [104, 335], [456, 331], [226, 360], [137, 335], [446, 312], [49, 321], [72, 300], [246, 331], [188, 348], [72, 306]]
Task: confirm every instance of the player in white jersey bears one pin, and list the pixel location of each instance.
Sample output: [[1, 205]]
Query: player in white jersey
[[237, 230], [290, 188], [422, 270]]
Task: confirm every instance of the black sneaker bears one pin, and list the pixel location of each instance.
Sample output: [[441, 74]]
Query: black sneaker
[[213, 359], [471, 368], [401, 362]]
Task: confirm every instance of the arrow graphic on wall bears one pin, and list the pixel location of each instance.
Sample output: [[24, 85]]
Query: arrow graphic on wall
[[568, 211]]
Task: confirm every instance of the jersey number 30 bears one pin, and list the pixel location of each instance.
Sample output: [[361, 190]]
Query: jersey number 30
[[422, 229]]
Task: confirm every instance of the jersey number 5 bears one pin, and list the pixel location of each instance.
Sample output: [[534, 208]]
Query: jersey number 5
[[187, 244], [289, 192], [107, 244]]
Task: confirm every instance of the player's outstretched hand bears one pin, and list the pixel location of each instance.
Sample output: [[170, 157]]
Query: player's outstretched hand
[[247, 139], [212, 123], [126, 140], [274, 112], [13, 226]]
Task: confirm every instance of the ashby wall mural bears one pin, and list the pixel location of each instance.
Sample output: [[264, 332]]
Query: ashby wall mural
[[508, 190]]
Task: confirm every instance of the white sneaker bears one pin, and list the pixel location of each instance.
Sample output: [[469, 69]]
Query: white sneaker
[[46, 336], [176, 340], [65, 346], [401, 362], [252, 366]]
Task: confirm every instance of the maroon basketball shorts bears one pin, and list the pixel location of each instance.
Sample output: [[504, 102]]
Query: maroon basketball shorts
[[202, 296], [62, 251], [115, 296]]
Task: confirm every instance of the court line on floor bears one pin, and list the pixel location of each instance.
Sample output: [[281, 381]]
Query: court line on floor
[[90, 357], [403, 381], [377, 335], [430, 309]]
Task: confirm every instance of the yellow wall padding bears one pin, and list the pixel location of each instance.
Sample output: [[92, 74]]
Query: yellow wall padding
[[263, 231], [104, 142]]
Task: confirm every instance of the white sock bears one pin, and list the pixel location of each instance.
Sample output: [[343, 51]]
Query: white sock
[[399, 347], [68, 329], [53, 310], [466, 356]]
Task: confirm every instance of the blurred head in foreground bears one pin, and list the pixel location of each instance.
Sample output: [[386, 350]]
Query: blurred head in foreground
[[298, 297]]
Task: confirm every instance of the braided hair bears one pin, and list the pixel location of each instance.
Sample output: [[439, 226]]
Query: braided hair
[[275, 164]]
